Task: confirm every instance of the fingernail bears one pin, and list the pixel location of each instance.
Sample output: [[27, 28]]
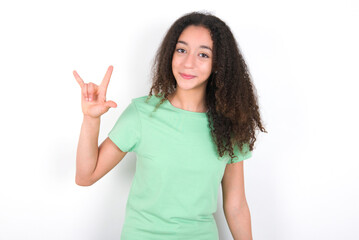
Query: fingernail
[[90, 99], [87, 99]]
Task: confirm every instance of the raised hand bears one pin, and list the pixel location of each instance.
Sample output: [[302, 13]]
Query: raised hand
[[93, 100]]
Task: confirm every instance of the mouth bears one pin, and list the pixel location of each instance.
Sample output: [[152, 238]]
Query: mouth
[[187, 76]]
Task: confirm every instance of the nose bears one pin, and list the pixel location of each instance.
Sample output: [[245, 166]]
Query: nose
[[189, 61]]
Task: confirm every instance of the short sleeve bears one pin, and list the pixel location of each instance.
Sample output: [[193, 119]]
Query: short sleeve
[[126, 132], [240, 156]]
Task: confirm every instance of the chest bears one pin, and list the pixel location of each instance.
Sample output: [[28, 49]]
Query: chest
[[180, 146]]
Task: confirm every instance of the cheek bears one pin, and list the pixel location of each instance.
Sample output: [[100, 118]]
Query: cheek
[[174, 63], [206, 68], [210, 67]]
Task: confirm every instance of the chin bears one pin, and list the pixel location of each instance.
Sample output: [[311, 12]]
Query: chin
[[189, 86]]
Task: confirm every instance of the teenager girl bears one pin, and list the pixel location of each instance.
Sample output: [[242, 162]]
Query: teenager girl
[[190, 136]]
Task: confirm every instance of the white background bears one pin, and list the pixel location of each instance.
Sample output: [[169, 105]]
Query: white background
[[302, 181]]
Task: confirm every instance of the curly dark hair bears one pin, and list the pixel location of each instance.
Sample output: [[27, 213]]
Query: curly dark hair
[[233, 112]]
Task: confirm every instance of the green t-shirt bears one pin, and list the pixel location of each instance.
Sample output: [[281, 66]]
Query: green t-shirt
[[178, 172]]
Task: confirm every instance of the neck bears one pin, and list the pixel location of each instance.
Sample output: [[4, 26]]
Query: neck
[[193, 101]]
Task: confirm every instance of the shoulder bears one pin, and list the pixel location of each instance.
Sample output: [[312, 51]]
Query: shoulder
[[146, 101]]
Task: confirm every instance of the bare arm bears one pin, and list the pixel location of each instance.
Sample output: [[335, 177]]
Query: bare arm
[[234, 202], [93, 162]]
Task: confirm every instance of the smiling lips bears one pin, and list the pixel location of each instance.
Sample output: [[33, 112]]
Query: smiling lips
[[186, 76]]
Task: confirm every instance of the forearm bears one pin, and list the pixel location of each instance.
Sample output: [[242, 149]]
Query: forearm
[[239, 223], [87, 149]]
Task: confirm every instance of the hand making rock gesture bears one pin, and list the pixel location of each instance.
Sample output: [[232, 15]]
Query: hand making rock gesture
[[93, 100]]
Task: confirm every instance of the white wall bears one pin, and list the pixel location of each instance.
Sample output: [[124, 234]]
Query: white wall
[[302, 181]]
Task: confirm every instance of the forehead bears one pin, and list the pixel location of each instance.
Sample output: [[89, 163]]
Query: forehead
[[196, 35]]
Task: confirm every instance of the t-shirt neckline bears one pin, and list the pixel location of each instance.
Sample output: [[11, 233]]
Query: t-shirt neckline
[[200, 114]]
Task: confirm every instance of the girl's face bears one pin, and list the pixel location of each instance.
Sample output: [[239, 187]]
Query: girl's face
[[192, 59]]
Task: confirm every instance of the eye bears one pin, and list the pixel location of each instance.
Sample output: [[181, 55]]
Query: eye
[[203, 55], [180, 50]]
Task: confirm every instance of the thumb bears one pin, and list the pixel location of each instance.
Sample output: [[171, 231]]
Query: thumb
[[110, 104]]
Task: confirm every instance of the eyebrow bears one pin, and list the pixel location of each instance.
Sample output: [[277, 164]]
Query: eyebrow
[[202, 46]]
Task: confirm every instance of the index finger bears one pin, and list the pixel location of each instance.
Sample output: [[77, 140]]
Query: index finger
[[106, 79], [78, 78]]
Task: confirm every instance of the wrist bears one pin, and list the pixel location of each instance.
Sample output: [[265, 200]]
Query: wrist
[[88, 118]]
